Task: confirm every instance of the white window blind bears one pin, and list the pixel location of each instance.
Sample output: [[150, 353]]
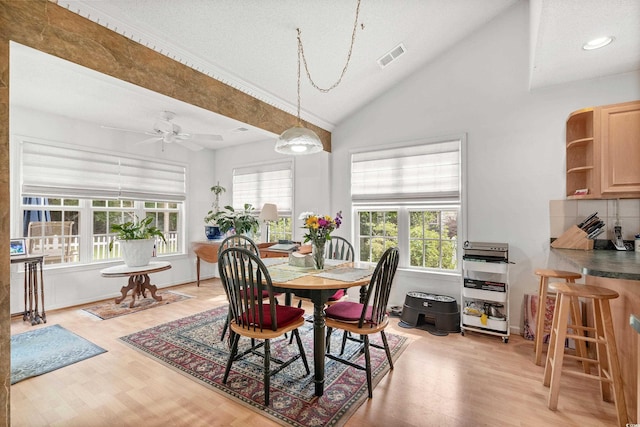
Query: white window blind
[[71, 171], [260, 184], [420, 172]]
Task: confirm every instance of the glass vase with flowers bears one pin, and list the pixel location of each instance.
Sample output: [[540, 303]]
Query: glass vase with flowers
[[319, 228]]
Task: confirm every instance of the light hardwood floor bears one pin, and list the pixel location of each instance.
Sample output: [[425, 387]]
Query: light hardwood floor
[[438, 381]]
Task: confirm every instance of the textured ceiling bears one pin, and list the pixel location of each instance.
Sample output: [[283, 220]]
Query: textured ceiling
[[561, 27], [251, 45]]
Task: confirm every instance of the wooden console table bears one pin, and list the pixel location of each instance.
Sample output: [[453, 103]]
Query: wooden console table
[[139, 280], [207, 250], [32, 263]]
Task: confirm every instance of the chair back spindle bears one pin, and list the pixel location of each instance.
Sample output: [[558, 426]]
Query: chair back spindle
[[374, 310], [240, 241], [245, 277], [339, 248]]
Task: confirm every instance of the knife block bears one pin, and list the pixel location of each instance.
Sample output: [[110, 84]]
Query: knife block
[[573, 238]]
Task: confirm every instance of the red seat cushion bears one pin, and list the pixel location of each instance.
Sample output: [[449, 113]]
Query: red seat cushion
[[284, 314], [347, 311], [339, 294]]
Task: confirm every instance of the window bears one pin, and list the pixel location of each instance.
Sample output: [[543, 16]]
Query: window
[[106, 213], [410, 197], [72, 196], [378, 231], [267, 183], [166, 218], [433, 238], [280, 230], [51, 228]]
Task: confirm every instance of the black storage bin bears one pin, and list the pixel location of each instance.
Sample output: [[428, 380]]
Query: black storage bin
[[440, 310]]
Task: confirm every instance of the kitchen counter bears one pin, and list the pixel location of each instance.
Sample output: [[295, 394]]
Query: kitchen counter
[[618, 271], [603, 263]]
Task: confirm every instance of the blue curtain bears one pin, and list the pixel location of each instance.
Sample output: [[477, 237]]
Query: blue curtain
[[34, 215]]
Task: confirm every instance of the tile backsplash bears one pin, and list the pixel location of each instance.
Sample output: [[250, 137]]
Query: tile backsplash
[[565, 213]]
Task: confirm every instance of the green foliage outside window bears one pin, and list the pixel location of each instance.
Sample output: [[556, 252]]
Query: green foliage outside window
[[280, 229], [432, 239], [378, 232]]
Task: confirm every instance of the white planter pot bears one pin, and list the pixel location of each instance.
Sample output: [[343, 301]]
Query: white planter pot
[[137, 253]]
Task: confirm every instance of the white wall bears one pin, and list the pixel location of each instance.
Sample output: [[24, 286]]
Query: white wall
[[70, 286], [516, 158]]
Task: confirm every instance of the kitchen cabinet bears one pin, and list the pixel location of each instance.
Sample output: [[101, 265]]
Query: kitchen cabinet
[[485, 298], [620, 138], [603, 152], [583, 154]]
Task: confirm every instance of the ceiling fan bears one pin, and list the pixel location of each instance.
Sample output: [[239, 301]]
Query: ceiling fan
[[168, 132]]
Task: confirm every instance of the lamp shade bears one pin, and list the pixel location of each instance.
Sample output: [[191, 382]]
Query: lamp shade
[[298, 140], [269, 212]]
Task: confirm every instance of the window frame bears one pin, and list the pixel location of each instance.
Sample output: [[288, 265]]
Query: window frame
[[404, 206], [85, 229], [266, 167]]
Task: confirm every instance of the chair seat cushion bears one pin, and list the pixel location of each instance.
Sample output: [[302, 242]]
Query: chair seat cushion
[[339, 294], [285, 315], [347, 311]]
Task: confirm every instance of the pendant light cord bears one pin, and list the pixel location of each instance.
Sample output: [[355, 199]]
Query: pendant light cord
[[306, 66]]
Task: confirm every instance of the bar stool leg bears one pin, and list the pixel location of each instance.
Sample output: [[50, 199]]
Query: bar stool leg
[[555, 357], [542, 309], [601, 351], [614, 363], [546, 378]]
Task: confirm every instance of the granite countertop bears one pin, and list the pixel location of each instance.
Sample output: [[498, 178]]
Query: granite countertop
[[603, 263]]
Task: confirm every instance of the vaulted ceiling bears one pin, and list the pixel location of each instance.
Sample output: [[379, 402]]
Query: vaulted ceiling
[[251, 45]]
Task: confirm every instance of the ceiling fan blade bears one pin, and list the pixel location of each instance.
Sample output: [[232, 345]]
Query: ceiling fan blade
[[128, 130], [149, 140], [207, 137], [190, 145]]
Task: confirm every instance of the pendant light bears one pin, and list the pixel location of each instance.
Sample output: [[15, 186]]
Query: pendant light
[[298, 139]]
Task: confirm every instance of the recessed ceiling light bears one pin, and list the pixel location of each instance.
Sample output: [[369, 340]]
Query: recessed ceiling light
[[597, 43]]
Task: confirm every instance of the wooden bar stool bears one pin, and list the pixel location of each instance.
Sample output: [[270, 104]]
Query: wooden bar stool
[[543, 292], [606, 355]]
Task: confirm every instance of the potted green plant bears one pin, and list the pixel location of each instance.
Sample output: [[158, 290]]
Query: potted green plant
[[211, 228], [137, 239], [241, 221]]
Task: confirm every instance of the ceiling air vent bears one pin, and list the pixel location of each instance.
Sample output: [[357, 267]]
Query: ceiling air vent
[[392, 55]]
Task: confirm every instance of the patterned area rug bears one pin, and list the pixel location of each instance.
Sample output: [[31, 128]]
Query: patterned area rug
[[110, 309], [192, 346], [46, 349]]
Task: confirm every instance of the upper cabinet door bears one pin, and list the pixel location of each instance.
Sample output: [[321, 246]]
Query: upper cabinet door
[[620, 145]]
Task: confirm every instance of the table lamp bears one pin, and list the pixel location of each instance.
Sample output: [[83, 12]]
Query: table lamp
[[268, 213]]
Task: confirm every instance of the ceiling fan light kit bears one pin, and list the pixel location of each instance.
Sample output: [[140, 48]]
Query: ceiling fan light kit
[[298, 139]]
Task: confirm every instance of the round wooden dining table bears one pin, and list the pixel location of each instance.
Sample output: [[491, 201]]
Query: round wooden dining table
[[318, 289]]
